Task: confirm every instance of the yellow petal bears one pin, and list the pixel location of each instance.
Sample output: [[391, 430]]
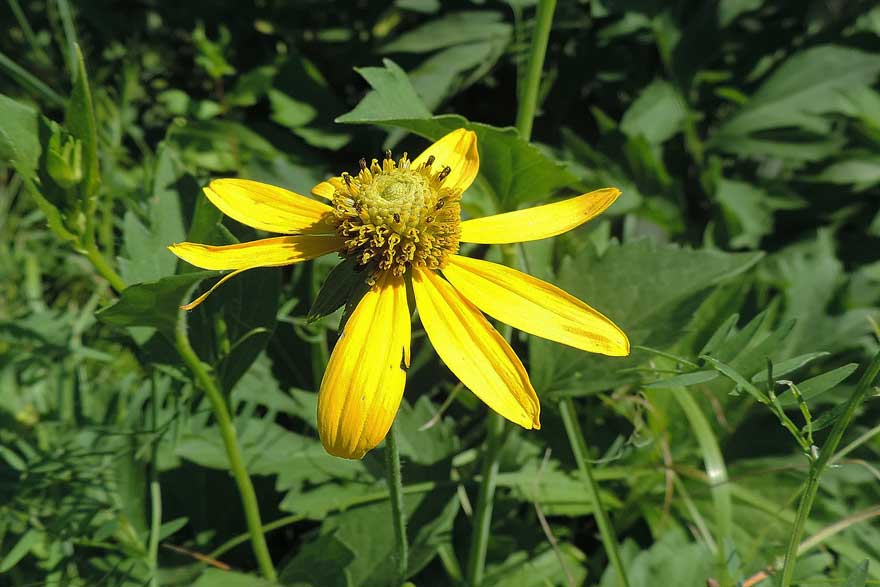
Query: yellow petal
[[535, 306], [267, 207], [364, 380], [538, 222], [474, 351], [268, 252], [193, 304], [458, 151], [326, 189]]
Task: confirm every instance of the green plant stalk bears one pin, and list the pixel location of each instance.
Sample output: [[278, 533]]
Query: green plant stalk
[[581, 455], [395, 492], [528, 99], [233, 451], [485, 500], [818, 466], [155, 491], [716, 471]]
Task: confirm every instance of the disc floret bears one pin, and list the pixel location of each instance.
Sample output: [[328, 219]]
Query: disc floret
[[395, 215]]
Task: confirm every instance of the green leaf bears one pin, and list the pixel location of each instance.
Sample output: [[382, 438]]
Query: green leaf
[[807, 85], [736, 377], [748, 211], [816, 386], [79, 118], [146, 256], [859, 575], [515, 170], [319, 563], [785, 367], [153, 304], [645, 288], [224, 578], [657, 114], [392, 98], [345, 282], [20, 550], [862, 172], [20, 136], [684, 379], [453, 29], [565, 565]]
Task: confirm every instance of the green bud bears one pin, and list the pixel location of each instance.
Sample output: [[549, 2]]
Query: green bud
[[64, 160]]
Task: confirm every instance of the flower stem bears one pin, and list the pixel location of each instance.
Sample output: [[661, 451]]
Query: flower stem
[[395, 491], [528, 98], [818, 466], [486, 499], [233, 451], [581, 455]]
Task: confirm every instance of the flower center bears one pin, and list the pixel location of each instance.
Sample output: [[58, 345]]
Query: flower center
[[397, 216]]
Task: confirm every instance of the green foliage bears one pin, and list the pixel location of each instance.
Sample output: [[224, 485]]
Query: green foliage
[[741, 261]]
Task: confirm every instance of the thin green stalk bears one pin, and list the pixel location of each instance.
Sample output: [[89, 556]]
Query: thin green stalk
[[155, 491], [528, 99], [716, 471], [485, 500], [581, 455], [818, 466], [395, 489], [233, 451]]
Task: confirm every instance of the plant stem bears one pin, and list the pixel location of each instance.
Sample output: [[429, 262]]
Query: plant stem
[[486, 499], [233, 451], [395, 491], [818, 466], [155, 490], [528, 98], [581, 455]]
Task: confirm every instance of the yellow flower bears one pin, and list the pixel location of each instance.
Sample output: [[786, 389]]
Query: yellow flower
[[401, 221]]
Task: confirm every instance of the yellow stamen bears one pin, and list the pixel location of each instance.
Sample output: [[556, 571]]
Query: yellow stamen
[[398, 216]]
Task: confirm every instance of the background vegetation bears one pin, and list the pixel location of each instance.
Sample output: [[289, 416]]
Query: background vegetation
[[743, 260]]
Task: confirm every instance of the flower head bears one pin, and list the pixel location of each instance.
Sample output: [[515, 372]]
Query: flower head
[[400, 220]]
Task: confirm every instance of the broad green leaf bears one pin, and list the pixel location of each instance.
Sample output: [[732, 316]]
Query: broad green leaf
[[20, 549], [319, 563], [516, 171], [807, 85], [671, 559], [20, 136], [859, 576], [645, 288], [79, 119], [657, 113], [557, 492], [861, 171], [153, 304], [146, 256], [393, 97], [225, 578]]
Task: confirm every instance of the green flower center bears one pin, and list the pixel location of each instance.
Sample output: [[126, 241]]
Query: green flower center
[[396, 216]]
